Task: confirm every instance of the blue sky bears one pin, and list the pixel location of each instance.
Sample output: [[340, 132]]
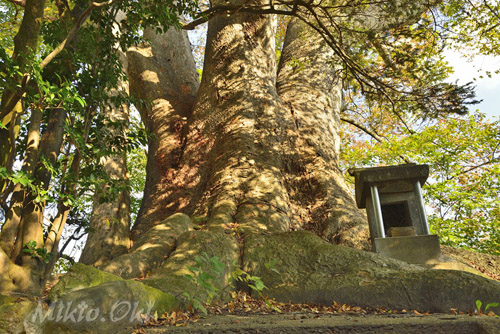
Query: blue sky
[[487, 89]]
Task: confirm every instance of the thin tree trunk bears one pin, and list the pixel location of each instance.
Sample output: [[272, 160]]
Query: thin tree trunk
[[31, 225], [56, 228], [25, 44], [110, 221], [50, 147], [8, 137], [68, 190], [14, 214]]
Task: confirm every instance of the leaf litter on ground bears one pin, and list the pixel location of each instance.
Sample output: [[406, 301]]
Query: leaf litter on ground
[[241, 303]]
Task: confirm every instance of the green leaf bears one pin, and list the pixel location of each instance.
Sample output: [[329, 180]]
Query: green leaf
[[78, 99], [478, 305], [189, 277], [30, 244], [204, 276], [259, 285], [490, 305], [197, 305]]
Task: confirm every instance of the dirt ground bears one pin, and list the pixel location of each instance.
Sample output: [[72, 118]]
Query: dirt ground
[[331, 323]]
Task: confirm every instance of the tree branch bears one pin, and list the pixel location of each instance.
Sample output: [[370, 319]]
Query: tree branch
[[4, 207], [71, 238], [361, 127], [373, 134], [472, 168], [74, 31], [14, 99], [21, 3], [221, 10]]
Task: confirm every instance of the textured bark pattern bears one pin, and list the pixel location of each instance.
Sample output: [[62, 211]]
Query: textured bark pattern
[[235, 127], [310, 88], [256, 153], [165, 74], [151, 249]]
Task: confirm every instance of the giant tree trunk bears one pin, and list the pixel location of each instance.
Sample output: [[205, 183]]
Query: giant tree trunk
[[312, 96], [256, 152]]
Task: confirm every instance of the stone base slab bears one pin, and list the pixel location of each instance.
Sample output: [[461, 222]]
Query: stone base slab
[[420, 249]]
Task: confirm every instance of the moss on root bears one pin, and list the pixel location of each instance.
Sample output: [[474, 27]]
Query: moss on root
[[106, 308], [80, 276], [13, 310], [308, 269]]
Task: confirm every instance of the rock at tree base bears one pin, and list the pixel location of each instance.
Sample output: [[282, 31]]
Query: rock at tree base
[[107, 308], [12, 313], [485, 263], [80, 276]]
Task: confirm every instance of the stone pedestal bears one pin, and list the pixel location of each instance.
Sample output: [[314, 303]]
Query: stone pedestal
[[420, 249]]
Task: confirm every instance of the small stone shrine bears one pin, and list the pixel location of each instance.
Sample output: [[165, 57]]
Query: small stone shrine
[[395, 207]]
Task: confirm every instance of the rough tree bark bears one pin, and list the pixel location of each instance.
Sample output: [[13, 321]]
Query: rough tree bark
[[313, 97], [167, 77], [257, 152]]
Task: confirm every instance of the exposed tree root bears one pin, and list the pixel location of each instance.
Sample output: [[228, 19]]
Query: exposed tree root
[[295, 266]]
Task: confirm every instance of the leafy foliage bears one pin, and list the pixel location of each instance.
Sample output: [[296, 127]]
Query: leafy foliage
[[136, 164], [474, 24], [479, 305], [207, 273], [408, 64], [10, 19], [40, 252]]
